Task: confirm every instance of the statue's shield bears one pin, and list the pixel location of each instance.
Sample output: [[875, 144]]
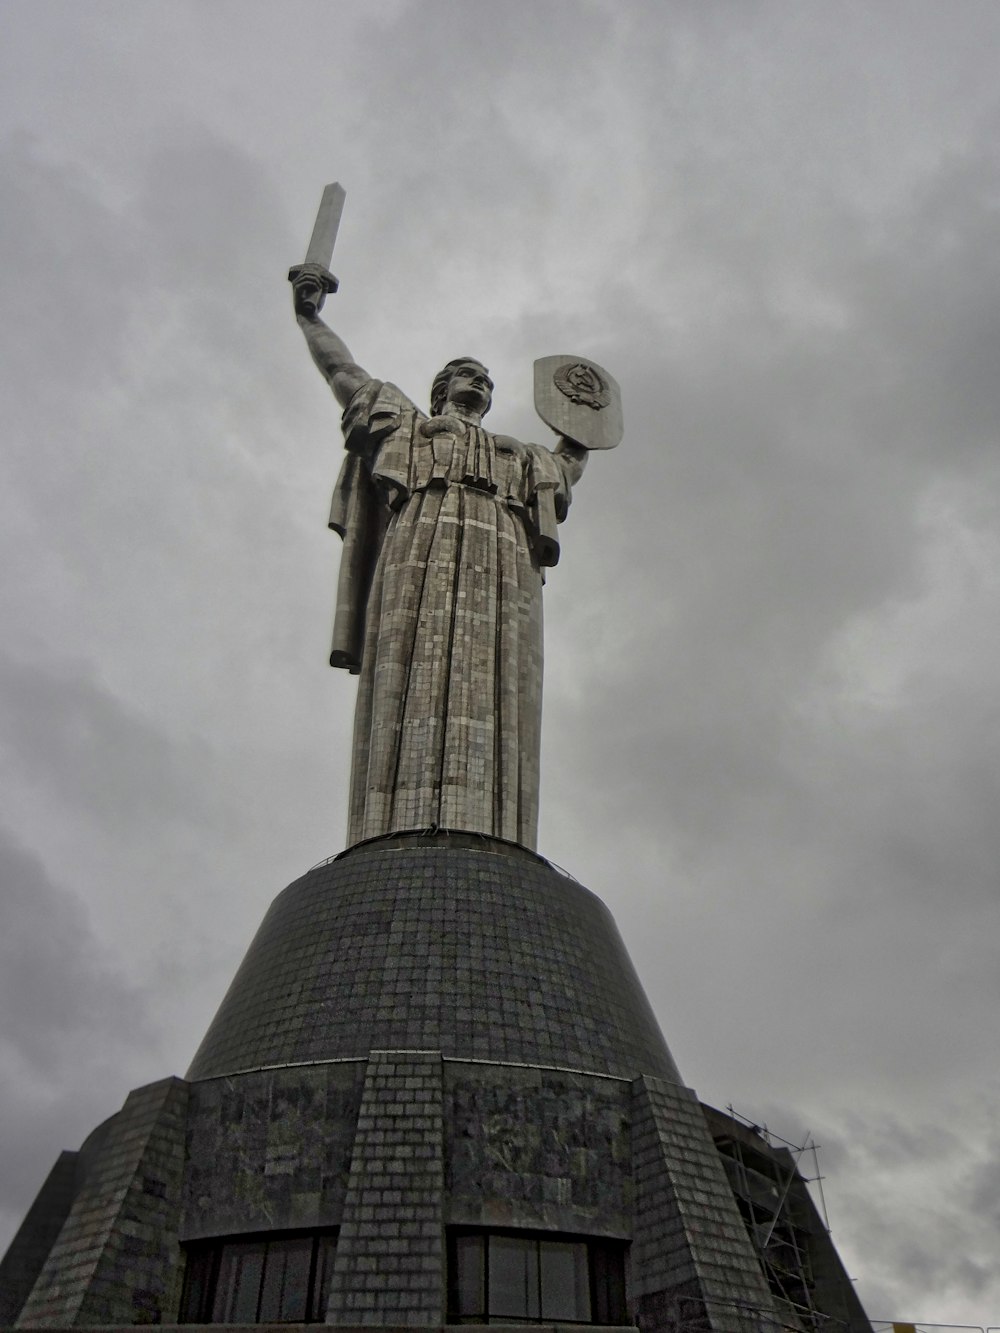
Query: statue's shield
[[579, 399]]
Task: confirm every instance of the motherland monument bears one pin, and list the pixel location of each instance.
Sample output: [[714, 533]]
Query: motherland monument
[[447, 528], [435, 1092]]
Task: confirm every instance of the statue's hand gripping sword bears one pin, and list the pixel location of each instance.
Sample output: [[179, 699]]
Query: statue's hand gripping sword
[[320, 251]]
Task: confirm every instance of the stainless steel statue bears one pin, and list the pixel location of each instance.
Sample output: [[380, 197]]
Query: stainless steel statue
[[446, 528]]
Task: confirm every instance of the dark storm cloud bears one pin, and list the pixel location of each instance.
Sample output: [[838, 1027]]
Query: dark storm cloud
[[64, 731], [40, 196], [57, 980], [924, 1223], [61, 994], [984, 1189], [772, 532]]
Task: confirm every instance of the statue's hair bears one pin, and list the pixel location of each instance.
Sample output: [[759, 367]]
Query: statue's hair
[[439, 389]]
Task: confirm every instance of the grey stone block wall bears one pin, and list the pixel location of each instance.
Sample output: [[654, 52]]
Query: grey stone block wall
[[393, 1152], [116, 1257], [35, 1237], [525, 1086], [465, 945], [389, 1266], [693, 1264]]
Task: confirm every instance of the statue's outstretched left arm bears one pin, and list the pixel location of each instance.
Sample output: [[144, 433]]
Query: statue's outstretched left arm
[[556, 472], [572, 459]]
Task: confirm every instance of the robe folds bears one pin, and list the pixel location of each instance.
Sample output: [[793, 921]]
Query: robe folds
[[446, 530]]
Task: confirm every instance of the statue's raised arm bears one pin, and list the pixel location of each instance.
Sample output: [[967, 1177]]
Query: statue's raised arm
[[312, 282], [330, 352]]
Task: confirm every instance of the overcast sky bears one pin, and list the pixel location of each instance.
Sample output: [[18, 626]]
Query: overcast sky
[[772, 699]]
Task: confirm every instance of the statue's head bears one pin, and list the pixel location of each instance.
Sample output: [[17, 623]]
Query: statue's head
[[465, 382]]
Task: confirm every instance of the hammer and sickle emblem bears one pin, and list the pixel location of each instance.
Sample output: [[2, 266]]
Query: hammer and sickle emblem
[[582, 384]]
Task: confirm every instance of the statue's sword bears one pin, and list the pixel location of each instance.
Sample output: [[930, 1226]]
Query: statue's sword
[[324, 234]]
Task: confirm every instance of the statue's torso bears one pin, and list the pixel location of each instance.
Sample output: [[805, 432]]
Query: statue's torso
[[447, 451], [407, 452]]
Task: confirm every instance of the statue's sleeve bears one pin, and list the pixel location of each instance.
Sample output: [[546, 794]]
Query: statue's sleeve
[[550, 488], [571, 459], [373, 412], [377, 426]]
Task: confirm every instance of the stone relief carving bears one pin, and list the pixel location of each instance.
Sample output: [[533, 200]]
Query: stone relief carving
[[582, 383]]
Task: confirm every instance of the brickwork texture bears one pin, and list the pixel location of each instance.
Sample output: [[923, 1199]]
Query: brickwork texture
[[693, 1263], [470, 947], [116, 1256], [35, 1237], [389, 1267]]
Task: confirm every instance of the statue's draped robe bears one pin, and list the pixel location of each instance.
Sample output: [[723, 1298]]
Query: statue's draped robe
[[446, 528]]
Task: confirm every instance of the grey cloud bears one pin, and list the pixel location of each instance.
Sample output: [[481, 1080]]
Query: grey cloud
[[70, 250], [61, 994], [924, 1246], [67, 732], [750, 553], [984, 1188], [57, 982], [924, 1264]]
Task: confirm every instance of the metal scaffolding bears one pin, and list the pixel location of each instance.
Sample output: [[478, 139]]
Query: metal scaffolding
[[783, 1223]]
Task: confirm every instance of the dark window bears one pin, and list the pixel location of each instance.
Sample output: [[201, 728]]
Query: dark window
[[258, 1280], [510, 1277]]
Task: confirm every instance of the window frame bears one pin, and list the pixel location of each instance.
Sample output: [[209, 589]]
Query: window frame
[[606, 1271], [204, 1261]]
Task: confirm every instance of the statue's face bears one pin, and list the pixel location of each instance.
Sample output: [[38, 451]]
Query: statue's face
[[470, 387]]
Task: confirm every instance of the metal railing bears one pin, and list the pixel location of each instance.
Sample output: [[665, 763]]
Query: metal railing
[[916, 1325]]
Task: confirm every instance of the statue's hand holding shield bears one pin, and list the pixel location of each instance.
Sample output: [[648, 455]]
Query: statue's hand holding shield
[[580, 400]]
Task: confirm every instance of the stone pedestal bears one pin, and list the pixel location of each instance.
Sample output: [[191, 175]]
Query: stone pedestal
[[435, 1047], [456, 943]]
